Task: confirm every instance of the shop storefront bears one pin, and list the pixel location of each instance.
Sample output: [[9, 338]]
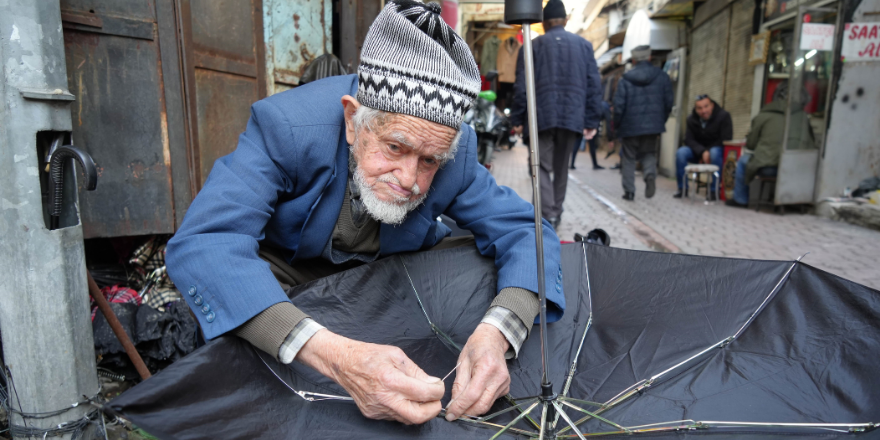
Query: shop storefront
[[797, 45]]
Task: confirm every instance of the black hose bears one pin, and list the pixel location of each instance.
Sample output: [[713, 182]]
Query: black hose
[[56, 174]]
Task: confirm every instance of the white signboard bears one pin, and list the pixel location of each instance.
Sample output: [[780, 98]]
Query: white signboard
[[817, 36], [861, 42]]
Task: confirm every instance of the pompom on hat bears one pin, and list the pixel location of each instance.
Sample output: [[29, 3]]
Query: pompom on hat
[[413, 63]]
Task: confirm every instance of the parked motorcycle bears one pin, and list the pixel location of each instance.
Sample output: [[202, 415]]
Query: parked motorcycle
[[490, 125]]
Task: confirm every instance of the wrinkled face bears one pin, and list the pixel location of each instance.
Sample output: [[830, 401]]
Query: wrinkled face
[[704, 108], [398, 159]]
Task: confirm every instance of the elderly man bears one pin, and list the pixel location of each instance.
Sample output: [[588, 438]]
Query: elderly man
[[641, 107], [348, 169]]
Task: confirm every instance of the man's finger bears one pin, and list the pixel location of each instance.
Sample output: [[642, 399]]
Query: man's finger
[[413, 370], [417, 390], [493, 391], [475, 387], [414, 413], [462, 381]]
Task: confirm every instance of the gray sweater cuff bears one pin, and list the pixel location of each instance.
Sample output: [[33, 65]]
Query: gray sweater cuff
[[522, 302], [268, 330]]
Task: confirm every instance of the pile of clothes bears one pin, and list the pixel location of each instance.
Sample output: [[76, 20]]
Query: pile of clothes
[[150, 309]]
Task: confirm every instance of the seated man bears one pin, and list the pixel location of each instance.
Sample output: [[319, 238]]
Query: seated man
[[322, 181], [708, 126], [764, 142]]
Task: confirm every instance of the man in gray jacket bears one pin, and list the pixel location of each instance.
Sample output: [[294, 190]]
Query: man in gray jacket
[[641, 106]]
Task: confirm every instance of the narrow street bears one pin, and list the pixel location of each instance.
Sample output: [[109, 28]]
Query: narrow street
[[692, 226]]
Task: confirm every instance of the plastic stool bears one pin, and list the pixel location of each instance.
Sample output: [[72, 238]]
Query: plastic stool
[[693, 172]]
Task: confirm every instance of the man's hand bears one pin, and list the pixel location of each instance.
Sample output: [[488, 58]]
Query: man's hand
[[589, 133], [518, 130], [384, 383], [482, 376], [705, 157]]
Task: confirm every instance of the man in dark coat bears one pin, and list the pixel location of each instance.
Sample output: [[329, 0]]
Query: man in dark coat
[[708, 127], [765, 139], [569, 99], [641, 106]]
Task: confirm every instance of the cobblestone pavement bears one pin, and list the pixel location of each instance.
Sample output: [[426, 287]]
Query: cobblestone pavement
[[593, 200]]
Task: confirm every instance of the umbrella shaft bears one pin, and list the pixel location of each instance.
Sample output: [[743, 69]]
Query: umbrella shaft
[[529, 65]]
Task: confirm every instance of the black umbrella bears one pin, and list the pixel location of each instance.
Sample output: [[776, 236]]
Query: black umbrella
[[678, 344]]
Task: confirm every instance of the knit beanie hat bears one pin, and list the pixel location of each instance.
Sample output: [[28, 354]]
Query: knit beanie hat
[[414, 63], [554, 9]]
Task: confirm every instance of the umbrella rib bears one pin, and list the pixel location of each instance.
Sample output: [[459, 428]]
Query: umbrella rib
[[543, 421], [503, 411], [594, 415], [585, 402], [474, 421], [767, 299], [570, 376], [513, 422], [305, 395], [645, 383], [568, 420], [577, 355]]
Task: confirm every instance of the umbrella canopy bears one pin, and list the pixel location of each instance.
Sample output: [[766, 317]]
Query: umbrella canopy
[[679, 332]]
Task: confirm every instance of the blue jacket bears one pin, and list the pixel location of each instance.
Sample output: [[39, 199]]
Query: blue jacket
[[643, 101], [567, 83], [284, 184]]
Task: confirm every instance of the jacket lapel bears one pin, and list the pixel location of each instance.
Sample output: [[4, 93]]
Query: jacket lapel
[[319, 225], [407, 237]]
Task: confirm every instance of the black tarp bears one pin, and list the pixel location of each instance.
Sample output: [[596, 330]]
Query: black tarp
[[810, 356]]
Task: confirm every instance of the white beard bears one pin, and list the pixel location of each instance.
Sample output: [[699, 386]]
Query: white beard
[[386, 212]]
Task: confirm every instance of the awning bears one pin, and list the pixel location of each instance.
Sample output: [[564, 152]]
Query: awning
[[608, 56], [657, 33]]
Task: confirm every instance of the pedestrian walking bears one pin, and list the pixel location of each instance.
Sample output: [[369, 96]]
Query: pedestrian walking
[[641, 106], [568, 99]]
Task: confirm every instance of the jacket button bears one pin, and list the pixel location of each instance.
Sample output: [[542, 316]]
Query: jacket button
[[210, 317], [206, 308], [198, 300], [192, 290]]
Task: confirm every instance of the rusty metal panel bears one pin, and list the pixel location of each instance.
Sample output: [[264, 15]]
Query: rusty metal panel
[[224, 72], [131, 9], [355, 18], [223, 28], [119, 118], [224, 103], [295, 33], [172, 83]]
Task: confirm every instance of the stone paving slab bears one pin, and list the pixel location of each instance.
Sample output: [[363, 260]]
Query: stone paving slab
[[696, 227]]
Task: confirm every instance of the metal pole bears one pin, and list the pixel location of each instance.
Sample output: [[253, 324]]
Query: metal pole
[[529, 64], [48, 345]]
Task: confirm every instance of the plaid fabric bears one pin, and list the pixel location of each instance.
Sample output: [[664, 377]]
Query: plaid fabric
[[297, 338], [510, 326], [158, 297], [117, 294], [150, 276]]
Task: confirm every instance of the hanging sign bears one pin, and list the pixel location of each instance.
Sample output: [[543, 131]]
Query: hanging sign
[[817, 36], [861, 42]]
